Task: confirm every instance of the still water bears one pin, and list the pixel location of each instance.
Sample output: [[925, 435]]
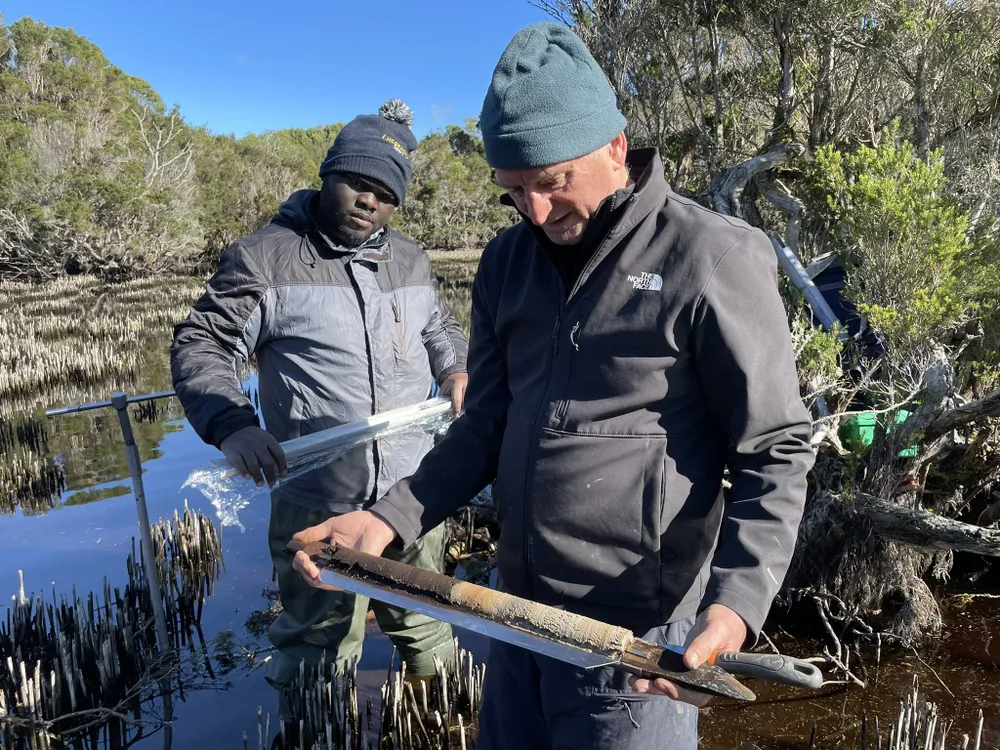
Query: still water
[[74, 523], [88, 536]]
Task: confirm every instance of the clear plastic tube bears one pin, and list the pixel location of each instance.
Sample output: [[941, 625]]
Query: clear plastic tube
[[229, 492]]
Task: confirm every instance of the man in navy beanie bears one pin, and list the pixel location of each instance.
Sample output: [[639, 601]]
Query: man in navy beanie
[[344, 319], [628, 346]]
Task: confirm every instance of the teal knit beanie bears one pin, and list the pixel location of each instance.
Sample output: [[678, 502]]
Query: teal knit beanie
[[549, 101]]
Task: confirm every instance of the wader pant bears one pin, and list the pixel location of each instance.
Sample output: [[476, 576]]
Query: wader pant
[[314, 621], [533, 702]]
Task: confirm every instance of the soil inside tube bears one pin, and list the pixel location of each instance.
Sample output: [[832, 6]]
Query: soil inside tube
[[564, 627]]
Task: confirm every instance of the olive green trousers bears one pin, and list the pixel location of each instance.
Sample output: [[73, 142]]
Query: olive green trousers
[[314, 622]]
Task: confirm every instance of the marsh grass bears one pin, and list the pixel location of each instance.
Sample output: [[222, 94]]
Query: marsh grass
[[72, 341], [76, 338], [456, 270], [75, 668], [328, 712], [79, 339]]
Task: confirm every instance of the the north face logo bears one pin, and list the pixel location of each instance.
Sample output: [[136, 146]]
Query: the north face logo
[[652, 282]]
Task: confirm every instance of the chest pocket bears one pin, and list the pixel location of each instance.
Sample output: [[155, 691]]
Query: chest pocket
[[399, 346]]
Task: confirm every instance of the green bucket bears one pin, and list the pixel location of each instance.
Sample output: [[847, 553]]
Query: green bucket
[[858, 432]]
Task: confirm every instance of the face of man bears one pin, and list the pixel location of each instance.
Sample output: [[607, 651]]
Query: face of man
[[352, 208], [562, 198]]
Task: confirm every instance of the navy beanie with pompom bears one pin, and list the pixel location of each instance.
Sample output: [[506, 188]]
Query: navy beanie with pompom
[[379, 147]]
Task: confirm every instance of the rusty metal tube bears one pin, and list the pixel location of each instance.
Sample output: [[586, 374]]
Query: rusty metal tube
[[563, 627]]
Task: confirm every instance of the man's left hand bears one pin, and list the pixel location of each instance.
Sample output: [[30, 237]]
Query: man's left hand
[[454, 386], [718, 628]]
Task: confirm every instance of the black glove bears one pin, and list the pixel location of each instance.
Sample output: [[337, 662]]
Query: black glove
[[256, 455]]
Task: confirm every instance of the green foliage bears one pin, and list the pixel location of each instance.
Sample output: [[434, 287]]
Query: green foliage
[[15, 160], [304, 150], [452, 202], [818, 356], [94, 173], [97, 175], [241, 182], [980, 268], [901, 237]]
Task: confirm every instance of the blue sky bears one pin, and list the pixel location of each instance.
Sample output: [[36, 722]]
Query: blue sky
[[251, 66]]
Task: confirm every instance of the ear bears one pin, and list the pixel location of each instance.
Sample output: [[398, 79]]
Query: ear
[[619, 149]]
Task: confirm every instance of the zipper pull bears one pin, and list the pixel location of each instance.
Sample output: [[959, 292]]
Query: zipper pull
[[395, 311], [572, 336]]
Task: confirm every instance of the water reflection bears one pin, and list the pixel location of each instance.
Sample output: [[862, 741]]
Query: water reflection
[[66, 515], [75, 342], [72, 342], [87, 667]]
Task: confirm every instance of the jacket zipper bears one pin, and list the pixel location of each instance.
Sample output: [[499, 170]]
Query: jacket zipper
[[371, 374], [574, 341], [529, 477], [563, 407], [596, 258]]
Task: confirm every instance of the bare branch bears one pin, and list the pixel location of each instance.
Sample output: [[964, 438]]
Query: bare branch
[[988, 406], [839, 659], [727, 187], [781, 197]]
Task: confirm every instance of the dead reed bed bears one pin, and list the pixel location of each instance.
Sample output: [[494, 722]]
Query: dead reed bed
[[70, 341], [456, 270], [326, 714], [441, 713], [188, 552], [40, 459], [917, 726], [81, 668], [78, 333], [472, 541], [29, 477]]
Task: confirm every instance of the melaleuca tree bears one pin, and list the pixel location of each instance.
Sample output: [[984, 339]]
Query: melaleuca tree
[[452, 201]]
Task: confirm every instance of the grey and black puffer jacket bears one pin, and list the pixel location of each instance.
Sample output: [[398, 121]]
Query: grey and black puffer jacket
[[338, 335]]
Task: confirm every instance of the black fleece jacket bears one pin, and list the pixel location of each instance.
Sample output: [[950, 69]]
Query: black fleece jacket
[[607, 415]]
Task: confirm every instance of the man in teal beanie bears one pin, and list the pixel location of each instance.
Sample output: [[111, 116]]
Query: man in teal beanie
[[628, 346]]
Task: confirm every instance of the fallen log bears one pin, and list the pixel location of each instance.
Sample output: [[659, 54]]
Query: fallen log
[[925, 530], [987, 406]]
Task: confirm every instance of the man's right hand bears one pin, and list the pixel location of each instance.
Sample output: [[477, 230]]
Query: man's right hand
[[256, 455], [359, 529]]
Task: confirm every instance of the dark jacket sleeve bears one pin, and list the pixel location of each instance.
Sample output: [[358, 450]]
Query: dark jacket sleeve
[[447, 347], [462, 464], [747, 370], [213, 342]]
